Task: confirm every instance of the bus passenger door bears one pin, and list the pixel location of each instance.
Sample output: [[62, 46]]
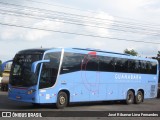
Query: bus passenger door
[[48, 77]]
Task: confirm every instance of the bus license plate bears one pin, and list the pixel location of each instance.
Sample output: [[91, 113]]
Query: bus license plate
[[18, 97]]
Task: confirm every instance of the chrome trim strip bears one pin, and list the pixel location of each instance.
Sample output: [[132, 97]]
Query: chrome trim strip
[[60, 64]]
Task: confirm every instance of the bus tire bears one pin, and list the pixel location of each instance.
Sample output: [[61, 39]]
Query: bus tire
[[139, 97], [62, 100], [130, 97], [35, 104]]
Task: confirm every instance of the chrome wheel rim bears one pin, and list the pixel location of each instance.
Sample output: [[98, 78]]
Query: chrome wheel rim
[[130, 97], [139, 97], [62, 100]]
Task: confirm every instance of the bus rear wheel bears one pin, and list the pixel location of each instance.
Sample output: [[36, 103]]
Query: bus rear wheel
[[62, 100], [130, 97], [139, 97]]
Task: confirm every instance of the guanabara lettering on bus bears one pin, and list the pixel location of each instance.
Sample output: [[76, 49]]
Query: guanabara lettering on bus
[[65, 75]]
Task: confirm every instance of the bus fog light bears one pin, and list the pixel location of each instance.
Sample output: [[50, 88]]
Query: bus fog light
[[31, 91]]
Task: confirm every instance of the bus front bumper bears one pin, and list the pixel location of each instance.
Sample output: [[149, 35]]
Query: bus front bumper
[[23, 96]]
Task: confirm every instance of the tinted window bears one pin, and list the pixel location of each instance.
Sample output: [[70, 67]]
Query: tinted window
[[148, 67], [154, 68], [121, 65], [133, 66], [106, 64], [50, 70], [21, 74], [143, 68], [91, 64], [71, 62]]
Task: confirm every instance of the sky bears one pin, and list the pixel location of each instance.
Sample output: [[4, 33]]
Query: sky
[[90, 24]]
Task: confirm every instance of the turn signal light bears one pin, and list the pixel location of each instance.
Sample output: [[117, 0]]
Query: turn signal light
[[31, 91]]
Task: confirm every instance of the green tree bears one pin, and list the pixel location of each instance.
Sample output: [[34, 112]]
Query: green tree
[[131, 52]]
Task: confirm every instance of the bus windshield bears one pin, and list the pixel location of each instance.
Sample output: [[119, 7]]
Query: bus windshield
[[21, 75]]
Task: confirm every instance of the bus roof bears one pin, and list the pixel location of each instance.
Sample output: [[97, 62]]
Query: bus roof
[[33, 51], [99, 50], [85, 49], [128, 56], [42, 50]]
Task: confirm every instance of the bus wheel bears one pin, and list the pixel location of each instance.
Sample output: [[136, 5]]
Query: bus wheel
[[139, 97], [35, 104], [130, 97], [62, 100]]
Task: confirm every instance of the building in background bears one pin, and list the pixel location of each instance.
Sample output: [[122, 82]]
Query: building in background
[[5, 78]]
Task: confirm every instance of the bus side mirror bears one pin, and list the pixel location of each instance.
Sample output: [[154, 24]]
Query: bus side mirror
[[34, 65], [4, 65]]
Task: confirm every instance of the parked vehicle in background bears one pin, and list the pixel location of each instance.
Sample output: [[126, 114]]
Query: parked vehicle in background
[[5, 78]]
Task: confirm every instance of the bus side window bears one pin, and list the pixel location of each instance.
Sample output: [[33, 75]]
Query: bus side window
[[154, 68], [143, 67], [92, 64], [121, 65], [71, 62], [106, 64], [148, 67], [133, 66]]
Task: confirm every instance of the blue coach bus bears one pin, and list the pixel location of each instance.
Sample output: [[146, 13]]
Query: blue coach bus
[[65, 75]]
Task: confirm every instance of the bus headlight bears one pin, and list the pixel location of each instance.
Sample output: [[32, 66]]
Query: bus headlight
[[9, 90], [31, 91]]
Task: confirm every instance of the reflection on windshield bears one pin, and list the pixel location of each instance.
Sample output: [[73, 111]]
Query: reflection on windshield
[[21, 74], [17, 70]]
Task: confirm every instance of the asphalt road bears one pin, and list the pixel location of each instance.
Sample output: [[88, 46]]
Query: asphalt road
[[147, 105]]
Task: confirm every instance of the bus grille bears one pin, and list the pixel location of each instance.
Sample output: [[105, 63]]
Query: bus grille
[[153, 90]]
